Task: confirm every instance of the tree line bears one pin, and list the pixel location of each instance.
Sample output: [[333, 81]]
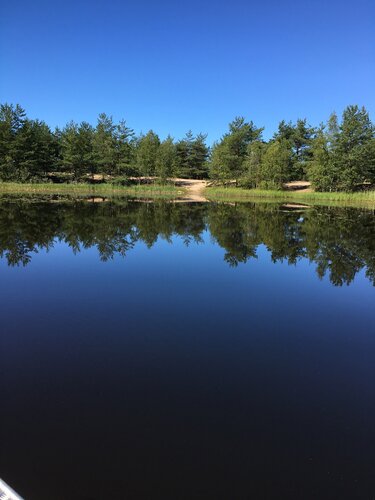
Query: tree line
[[30, 150], [336, 156]]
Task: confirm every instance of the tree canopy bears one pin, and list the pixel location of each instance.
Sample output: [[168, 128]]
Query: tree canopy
[[336, 156]]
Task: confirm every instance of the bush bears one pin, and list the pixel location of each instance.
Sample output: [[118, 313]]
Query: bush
[[121, 181]]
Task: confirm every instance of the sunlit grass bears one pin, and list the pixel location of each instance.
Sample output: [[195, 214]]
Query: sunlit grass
[[134, 190], [362, 199], [170, 191]]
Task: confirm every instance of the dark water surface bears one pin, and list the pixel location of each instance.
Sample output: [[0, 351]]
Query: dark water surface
[[159, 350]]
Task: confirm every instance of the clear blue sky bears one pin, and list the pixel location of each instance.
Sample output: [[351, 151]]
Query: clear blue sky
[[174, 65]]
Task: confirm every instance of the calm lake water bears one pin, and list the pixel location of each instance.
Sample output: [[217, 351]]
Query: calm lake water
[[173, 350]]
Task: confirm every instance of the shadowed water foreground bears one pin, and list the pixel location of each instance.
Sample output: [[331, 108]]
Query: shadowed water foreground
[[186, 350]]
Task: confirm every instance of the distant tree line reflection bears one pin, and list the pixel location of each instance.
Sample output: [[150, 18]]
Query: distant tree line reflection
[[340, 242]]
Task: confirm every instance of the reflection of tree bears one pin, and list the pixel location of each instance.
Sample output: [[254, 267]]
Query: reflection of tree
[[340, 242], [114, 228], [231, 227]]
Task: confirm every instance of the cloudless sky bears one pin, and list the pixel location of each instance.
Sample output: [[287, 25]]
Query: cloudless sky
[[174, 65]]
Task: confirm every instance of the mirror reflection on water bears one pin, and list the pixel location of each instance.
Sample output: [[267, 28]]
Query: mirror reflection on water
[[338, 241], [184, 350]]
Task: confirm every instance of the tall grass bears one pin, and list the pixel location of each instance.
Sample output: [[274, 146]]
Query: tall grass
[[135, 190], [169, 191], [360, 199]]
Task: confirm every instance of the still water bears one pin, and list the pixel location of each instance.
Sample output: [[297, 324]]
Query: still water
[[165, 350]]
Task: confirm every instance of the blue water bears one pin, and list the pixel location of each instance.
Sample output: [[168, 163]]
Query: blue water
[[174, 372]]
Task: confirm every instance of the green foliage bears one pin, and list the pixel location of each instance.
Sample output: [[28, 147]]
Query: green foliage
[[28, 148], [275, 165], [369, 166], [34, 151], [338, 156], [147, 152], [298, 137], [77, 155], [104, 145], [252, 164], [351, 149], [124, 149], [229, 155], [322, 173], [343, 155], [191, 156], [198, 157], [166, 159]]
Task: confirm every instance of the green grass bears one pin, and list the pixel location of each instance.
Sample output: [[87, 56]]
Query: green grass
[[169, 191], [362, 199], [105, 190]]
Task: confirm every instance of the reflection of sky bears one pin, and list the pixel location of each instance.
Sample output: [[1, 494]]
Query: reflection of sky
[[169, 348], [175, 276]]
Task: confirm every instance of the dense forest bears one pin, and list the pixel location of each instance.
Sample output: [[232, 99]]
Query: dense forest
[[336, 156], [340, 242]]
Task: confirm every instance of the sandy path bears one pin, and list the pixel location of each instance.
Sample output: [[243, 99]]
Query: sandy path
[[298, 186], [194, 189]]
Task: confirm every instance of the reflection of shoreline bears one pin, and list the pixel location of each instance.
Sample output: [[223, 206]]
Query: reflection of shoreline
[[338, 241], [294, 207], [187, 199]]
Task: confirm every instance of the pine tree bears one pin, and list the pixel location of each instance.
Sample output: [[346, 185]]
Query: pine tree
[[199, 152], [104, 145], [299, 137], [35, 151], [12, 119], [352, 151], [124, 149], [321, 171], [275, 165], [228, 156], [253, 161], [77, 149], [166, 159], [183, 155], [147, 150]]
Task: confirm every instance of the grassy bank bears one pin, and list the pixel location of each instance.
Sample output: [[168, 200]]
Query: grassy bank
[[363, 199], [169, 191], [105, 190]]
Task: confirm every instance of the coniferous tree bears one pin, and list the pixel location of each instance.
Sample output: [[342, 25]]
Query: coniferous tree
[[77, 149], [252, 164], [124, 149], [104, 145], [352, 154], [199, 152], [35, 151], [321, 169], [228, 156], [192, 153], [299, 137], [183, 152], [275, 165], [147, 150], [12, 119], [166, 159], [339, 156], [343, 155]]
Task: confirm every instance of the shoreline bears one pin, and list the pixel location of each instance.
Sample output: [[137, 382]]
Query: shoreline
[[360, 200], [193, 190], [137, 190]]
